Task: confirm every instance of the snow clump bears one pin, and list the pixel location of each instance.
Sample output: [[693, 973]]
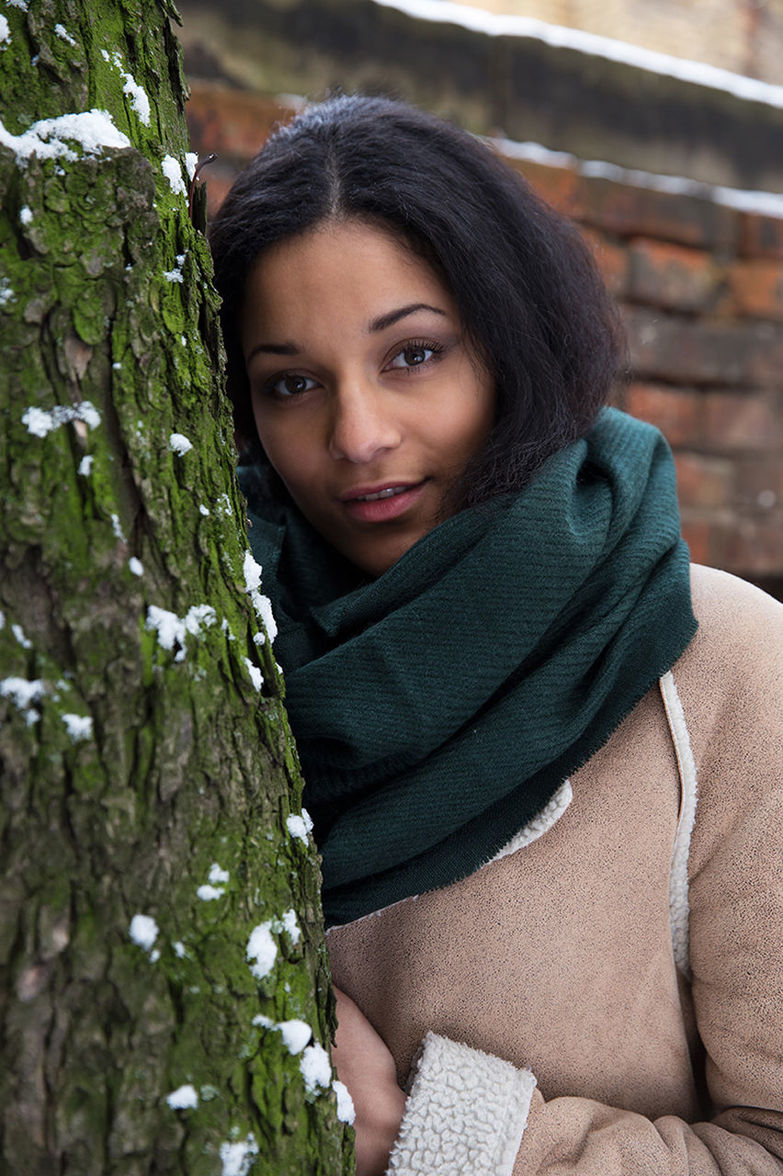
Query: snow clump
[[25, 215], [173, 173], [346, 1112], [191, 163], [291, 927], [85, 465], [179, 444], [208, 893], [175, 275], [252, 572], [6, 293], [261, 950], [171, 629], [21, 691], [143, 930], [78, 726], [296, 1035], [92, 130], [237, 1158], [263, 606], [64, 35], [19, 634], [136, 566], [316, 1068], [39, 421], [299, 826], [5, 31], [256, 677], [139, 101], [184, 1098]]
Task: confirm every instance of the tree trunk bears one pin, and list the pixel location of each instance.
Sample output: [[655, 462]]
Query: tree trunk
[[160, 916]]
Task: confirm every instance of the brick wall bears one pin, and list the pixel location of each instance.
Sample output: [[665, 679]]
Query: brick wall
[[700, 287]]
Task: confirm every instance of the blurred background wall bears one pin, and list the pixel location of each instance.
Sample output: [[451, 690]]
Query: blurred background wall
[[672, 167]]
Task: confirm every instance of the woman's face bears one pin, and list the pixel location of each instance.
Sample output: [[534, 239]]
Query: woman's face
[[367, 396]]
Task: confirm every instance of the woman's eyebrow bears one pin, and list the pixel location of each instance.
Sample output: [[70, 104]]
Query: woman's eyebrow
[[274, 349], [393, 316]]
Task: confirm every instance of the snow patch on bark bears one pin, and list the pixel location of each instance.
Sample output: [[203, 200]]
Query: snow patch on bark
[[346, 1112], [79, 727], [252, 572], [64, 35], [179, 444], [175, 275], [143, 931], [173, 172], [237, 1158], [256, 677], [19, 634], [184, 1098], [23, 693], [316, 1068], [261, 950], [291, 927], [93, 130], [139, 101], [299, 826], [40, 421], [171, 629], [263, 606]]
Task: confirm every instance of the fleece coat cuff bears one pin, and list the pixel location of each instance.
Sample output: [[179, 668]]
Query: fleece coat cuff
[[465, 1115]]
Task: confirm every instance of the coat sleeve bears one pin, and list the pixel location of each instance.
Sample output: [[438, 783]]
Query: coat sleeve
[[470, 1114]]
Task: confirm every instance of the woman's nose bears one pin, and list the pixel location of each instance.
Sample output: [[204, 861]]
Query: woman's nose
[[362, 424]]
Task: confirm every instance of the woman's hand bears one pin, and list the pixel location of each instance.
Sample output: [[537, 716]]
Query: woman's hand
[[366, 1066]]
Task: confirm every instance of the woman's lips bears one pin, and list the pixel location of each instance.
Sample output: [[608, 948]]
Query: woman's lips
[[378, 504]]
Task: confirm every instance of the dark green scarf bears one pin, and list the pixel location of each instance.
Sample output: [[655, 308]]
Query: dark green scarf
[[438, 708]]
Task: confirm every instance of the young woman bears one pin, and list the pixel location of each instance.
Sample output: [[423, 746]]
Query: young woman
[[543, 758]]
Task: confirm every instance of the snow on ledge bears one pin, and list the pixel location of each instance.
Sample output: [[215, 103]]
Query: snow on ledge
[[561, 37], [764, 203]]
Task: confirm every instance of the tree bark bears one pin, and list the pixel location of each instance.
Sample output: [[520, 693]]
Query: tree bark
[[159, 915]]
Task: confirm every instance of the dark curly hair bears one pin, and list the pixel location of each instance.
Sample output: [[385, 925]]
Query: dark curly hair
[[528, 291]]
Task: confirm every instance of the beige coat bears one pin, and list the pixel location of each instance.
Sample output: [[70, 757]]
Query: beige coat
[[627, 962]]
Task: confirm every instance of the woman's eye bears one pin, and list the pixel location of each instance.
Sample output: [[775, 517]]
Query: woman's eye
[[290, 385], [414, 355]]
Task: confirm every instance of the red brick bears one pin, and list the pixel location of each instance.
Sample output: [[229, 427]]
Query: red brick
[[706, 539], [557, 185], [632, 211], [761, 236], [677, 413], [747, 421], [612, 261], [231, 122], [686, 352], [757, 287], [673, 276], [704, 481]]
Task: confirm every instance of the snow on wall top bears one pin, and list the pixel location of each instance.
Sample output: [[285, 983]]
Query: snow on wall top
[[764, 203], [493, 25]]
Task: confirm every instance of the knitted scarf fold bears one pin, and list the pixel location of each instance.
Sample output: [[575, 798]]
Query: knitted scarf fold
[[438, 708]]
